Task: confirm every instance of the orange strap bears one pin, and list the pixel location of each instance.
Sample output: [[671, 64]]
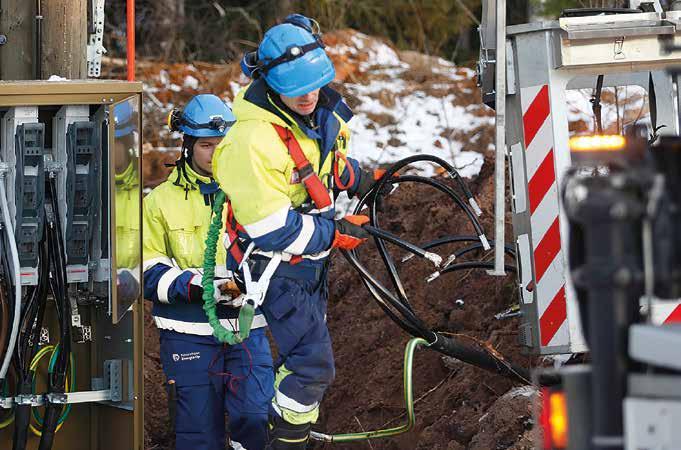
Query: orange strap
[[232, 228], [336, 175], [313, 185]]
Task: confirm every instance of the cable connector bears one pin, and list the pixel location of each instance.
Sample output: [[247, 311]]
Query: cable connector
[[511, 312], [475, 206], [434, 258], [408, 257], [57, 398], [433, 276], [29, 399], [484, 241], [450, 259]]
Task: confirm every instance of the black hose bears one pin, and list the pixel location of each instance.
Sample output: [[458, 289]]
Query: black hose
[[396, 304]]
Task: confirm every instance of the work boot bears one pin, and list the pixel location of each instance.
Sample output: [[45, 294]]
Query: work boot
[[286, 436]]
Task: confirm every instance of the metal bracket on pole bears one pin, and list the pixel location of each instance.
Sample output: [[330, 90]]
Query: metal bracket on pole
[[95, 49], [500, 141]]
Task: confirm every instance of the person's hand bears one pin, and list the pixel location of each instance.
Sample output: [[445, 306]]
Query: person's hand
[[127, 285], [367, 181], [350, 232], [225, 291]]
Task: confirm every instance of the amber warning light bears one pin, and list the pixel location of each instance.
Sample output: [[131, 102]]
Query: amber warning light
[[554, 419], [597, 143]]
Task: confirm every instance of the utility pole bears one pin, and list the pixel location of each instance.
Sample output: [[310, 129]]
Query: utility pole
[[44, 38], [16, 31]]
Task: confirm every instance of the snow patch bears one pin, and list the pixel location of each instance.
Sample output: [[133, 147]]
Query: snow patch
[[521, 391], [191, 82]]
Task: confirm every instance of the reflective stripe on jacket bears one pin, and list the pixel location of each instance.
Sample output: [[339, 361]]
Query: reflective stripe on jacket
[[176, 220]]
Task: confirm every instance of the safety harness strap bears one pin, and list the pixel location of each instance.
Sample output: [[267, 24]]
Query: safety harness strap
[[313, 184], [232, 228]]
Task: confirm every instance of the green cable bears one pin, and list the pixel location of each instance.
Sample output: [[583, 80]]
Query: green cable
[[412, 345], [53, 360], [247, 310]]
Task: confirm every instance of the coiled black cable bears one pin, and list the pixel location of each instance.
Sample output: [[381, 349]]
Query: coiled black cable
[[396, 304]]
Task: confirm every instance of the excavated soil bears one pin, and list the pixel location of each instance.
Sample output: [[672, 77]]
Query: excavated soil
[[457, 406]]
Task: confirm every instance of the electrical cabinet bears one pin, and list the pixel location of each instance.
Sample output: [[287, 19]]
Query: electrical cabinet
[[71, 312]]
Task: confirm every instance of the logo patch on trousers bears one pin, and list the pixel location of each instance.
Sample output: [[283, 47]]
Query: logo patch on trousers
[[186, 356]]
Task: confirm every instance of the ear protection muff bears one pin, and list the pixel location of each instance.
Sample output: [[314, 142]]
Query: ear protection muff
[[253, 68], [249, 64], [175, 119], [307, 23]]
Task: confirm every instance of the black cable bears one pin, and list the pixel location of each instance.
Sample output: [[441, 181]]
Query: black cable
[[475, 265], [372, 199], [396, 305], [28, 343], [58, 288]]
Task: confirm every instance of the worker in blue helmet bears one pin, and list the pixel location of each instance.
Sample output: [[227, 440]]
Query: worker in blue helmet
[[126, 200], [281, 166], [205, 378]]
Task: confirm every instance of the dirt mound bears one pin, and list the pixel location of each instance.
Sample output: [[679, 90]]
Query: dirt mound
[[458, 406]]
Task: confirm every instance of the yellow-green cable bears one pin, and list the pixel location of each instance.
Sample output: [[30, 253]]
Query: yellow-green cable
[[7, 422], [412, 345], [70, 385], [209, 256]]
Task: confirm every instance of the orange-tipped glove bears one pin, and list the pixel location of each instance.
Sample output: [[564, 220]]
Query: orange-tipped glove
[[350, 232]]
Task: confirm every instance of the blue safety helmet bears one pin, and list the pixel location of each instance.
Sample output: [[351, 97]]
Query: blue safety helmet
[[206, 115], [292, 59], [124, 119]]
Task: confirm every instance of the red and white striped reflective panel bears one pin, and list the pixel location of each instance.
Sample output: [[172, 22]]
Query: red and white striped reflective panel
[[674, 316], [549, 270], [665, 311]]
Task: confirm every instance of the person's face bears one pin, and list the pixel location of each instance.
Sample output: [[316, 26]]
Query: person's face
[[303, 104], [122, 155], [202, 155]]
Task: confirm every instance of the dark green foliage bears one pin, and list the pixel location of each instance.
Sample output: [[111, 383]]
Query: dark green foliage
[[221, 30]]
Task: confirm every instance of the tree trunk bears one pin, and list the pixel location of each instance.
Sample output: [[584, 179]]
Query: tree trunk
[[64, 39], [16, 55]]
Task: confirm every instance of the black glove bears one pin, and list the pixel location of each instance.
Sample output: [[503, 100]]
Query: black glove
[[367, 180]]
